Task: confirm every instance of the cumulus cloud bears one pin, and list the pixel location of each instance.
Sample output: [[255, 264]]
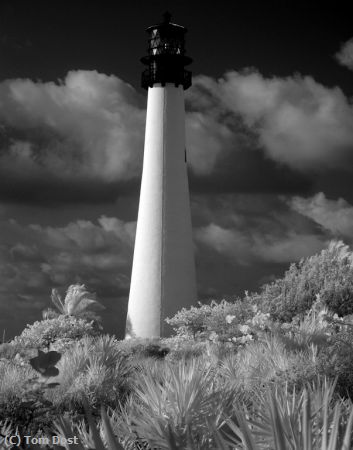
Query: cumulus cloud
[[298, 122], [89, 127], [207, 139], [345, 55], [333, 215], [89, 124], [86, 249], [83, 137], [254, 229], [246, 247]]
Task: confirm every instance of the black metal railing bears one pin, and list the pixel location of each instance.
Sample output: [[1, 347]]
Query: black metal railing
[[151, 76]]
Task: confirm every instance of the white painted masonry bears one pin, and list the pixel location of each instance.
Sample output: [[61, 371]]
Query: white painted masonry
[[163, 272]]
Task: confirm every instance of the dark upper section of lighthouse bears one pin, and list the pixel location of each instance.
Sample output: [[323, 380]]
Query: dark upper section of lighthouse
[[166, 55]]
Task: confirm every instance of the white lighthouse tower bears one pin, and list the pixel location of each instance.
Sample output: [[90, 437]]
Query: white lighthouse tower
[[163, 271]]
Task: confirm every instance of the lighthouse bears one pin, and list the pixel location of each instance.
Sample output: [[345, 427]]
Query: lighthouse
[[163, 270]]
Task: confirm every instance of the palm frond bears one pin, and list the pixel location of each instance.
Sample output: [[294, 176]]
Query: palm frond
[[78, 300], [56, 299]]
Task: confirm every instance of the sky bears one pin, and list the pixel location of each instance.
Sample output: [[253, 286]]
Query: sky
[[269, 129]]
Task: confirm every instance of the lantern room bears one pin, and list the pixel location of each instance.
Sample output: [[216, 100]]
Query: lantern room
[[166, 55]]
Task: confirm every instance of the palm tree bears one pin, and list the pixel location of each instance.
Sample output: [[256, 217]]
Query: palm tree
[[78, 302]]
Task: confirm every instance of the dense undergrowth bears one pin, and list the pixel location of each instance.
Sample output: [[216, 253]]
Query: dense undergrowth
[[272, 370]]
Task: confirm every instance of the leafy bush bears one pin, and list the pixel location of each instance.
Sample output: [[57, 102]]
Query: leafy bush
[[190, 322], [222, 319], [42, 334], [328, 274], [336, 360]]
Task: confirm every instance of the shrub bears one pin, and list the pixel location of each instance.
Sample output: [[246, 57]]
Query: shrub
[[221, 319], [43, 333], [181, 400], [8, 351], [336, 360], [328, 274], [22, 400], [156, 351], [94, 368], [306, 419], [314, 328], [190, 322], [186, 351], [281, 419], [13, 378], [259, 362], [268, 360], [140, 348], [30, 418]]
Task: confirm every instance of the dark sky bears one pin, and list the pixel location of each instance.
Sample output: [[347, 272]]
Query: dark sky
[[269, 131]]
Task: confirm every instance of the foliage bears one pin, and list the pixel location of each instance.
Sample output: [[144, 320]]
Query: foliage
[[190, 322], [136, 349], [336, 359], [188, 349], [222, 319], [93, 368], [315, 328], [156, 351], [29, 416], [27, 407], [95, 439], [78, 302], [305, 419], [181, 402], [299, 420], [42, 334], [266, 361], [178, 401], [330, 339], [13, 378], [8, 351], [236, 374], [328, 274]]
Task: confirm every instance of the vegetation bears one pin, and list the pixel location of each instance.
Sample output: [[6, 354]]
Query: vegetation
[[93, 369], [328, 274], [65, 329], [270, 371], [78, 302]]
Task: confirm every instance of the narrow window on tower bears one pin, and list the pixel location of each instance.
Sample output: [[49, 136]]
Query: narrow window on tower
[[185, 154]]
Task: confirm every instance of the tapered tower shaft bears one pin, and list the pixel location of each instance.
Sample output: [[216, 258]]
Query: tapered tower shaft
[[163, 272]]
